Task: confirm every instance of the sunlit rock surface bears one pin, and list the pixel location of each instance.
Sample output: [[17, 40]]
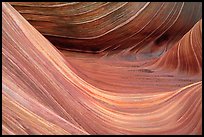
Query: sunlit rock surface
[[146, 77]]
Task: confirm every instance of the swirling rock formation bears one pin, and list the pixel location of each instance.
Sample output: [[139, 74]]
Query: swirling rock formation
[[186, 55], [112, 26], [50, 91]]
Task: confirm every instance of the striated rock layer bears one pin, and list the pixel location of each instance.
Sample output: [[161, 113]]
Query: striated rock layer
[[112, 26], [50, 91]]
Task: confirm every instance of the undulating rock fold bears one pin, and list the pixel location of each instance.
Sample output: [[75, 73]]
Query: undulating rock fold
[[137, 69]]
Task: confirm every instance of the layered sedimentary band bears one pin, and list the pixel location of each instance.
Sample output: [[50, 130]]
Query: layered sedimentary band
[[186, 55], [112, 26], [50, 91]]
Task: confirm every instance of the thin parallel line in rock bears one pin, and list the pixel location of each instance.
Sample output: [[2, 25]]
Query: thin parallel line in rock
[[118, 112], [86, 11], [192, 105], [185, 125], [109, 115], [181, 9], [180, 91], [178, 54], [101, 17], [88, 108], [102, 111], [179, 13], [132, 48], [173, 114], [91, 10], [75, 50], [105, 49], [171, 24], [12, 121], [19, 124], [115, 22], [192, 113], [185, 64], [98, 114], [122, 86], [52, 112], [194, 101], [7, 130], [99, 102], [161, 62], [198, 121], [40, 12], [101, 29], [174, 21], [24, 14], [52, 97], [197, 126], [200, 42], [200, 26], [190, 16], [85, 22], [76, 11], [149, 35], [46, 6], [149, 113], [134, 34], [42, 3], [5, 20], [122, 24], [84, 4], [192, 46], [166, 21], [129, 95], [136, 105], [100, 81], [40, 119]]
